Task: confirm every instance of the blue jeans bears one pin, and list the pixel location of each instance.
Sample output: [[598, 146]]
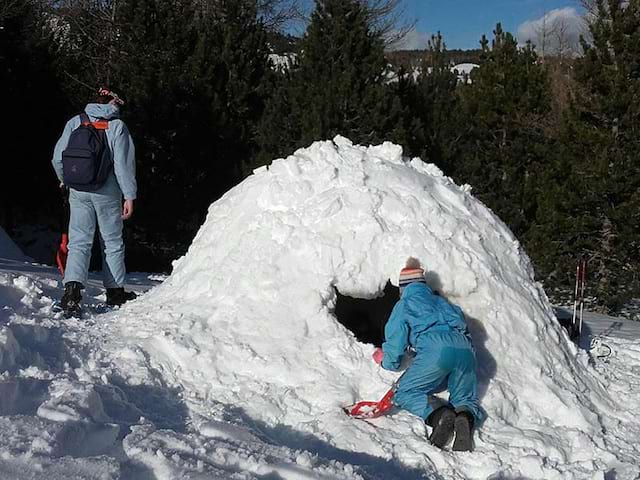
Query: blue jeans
[[442, 359], [86, 208]]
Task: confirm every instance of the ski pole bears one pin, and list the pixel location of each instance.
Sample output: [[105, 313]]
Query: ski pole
[[583, 285], [575, 303]]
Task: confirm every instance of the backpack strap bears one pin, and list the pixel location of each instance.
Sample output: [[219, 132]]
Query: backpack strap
[[99, 124]]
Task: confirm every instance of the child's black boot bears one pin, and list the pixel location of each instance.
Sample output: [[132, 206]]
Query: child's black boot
[[464, 432], [442, 421]]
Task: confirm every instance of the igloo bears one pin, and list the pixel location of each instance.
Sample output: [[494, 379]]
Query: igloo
[[250, 311]]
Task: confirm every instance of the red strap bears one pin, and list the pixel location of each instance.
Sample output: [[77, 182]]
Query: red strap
[[100, 124]]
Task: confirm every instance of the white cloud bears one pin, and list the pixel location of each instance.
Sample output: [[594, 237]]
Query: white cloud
[[413, 40], [555, 33]]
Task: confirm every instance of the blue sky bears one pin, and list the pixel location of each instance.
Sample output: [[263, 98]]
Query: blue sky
[[462, 22]]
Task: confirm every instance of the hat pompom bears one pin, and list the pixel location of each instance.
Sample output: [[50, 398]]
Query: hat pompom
[[413, 263], [411, 273]]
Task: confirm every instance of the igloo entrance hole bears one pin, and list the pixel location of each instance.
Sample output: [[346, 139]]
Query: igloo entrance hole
[[366, 318]]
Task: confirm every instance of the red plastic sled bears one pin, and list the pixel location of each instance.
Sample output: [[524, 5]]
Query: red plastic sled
[[367, 409]]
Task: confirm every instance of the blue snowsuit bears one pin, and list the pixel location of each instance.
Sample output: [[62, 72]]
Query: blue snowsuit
[[104, 205], [444, 357]]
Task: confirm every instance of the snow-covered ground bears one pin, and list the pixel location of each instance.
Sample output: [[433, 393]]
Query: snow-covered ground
[[235, 367]]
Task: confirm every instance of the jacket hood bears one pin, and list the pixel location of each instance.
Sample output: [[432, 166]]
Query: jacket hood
[[416, 288], [99, 110]]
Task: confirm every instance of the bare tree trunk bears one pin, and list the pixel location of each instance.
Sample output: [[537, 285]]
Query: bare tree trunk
[[278, 14], [91, 34], [112, 39], [590, 6], [543, 32], [389, 18], [607, 240], [561, 34]]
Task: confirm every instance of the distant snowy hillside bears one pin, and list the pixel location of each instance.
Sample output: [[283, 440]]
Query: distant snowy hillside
[[463, 71], [282, 62], [236, 367]]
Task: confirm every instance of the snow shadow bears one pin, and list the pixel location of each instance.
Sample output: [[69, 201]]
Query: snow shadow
[[10, 303], [27, 267], [43, 347], [162, 405], [507, 476], [595, 326], [22, 396], [126, 404], [487, 366], [133, 470], [611, 474], [369, 466], [565, 319]]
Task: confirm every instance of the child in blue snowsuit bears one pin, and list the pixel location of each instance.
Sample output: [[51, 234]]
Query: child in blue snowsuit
[[444, 357]]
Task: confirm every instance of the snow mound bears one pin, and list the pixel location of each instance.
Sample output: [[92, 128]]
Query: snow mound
[[9, 250], [244, 333]]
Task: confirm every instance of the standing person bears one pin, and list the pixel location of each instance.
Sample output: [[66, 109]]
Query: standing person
[[444, 356], [95, 159]]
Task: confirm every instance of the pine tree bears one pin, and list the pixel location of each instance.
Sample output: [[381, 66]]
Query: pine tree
[[192, 74], [593, 189], [193, 77], [278, 131], [409, 130], [229, 68], [437, 100], [503, 144], [31, 95], [337, 86]]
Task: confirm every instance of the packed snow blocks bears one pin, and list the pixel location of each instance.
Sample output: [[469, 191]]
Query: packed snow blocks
[[254, 305]]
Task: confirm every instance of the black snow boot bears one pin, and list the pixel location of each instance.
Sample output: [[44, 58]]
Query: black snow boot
[[464, 432], [118, 296], [71, 299], [441, 420]]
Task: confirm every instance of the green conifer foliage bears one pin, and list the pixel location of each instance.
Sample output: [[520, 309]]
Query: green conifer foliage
[[31, 97], [437, 104], [593, 188], [409, 131], [336, 86], [192, 75], [502, 144]]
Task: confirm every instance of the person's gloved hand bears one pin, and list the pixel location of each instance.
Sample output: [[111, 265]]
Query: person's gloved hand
[[378, 355]]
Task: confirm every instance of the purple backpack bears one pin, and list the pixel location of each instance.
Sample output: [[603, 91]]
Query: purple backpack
[[87, 160]]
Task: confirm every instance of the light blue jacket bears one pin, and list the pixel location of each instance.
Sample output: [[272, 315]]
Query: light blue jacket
[[122, 180], [418, 312]]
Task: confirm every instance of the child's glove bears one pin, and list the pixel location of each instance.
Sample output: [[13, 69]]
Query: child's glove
[[378, 355]]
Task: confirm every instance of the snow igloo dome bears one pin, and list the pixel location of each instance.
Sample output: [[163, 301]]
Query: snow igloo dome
[[251, 307]]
